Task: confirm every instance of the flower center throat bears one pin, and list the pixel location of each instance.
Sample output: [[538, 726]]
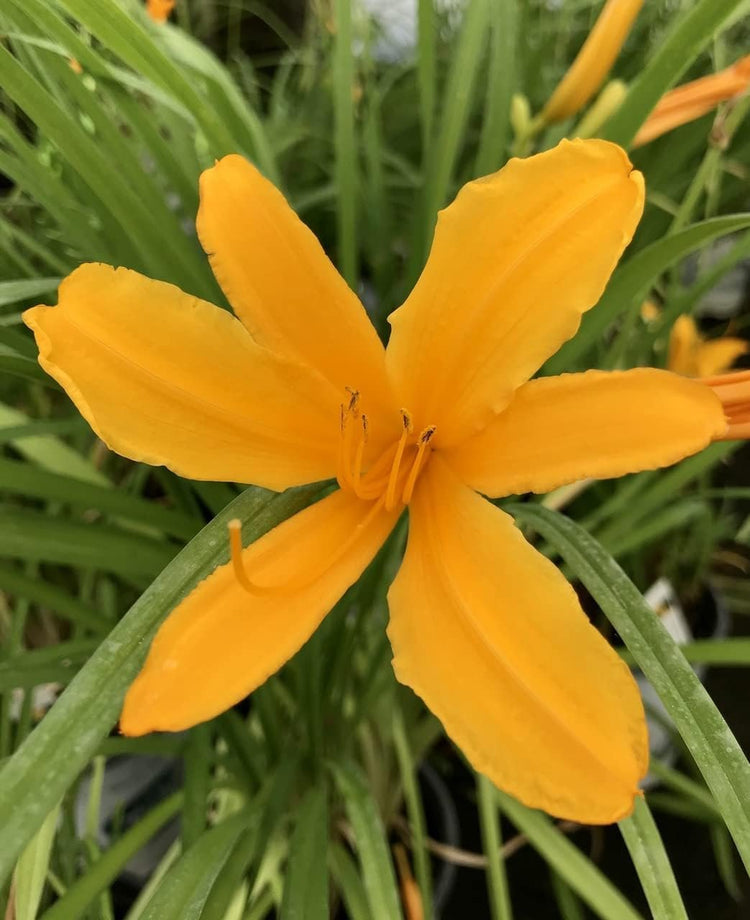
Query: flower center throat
[[386, 482], [391, 478]]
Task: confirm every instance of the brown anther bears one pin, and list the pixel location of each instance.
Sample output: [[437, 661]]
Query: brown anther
[[353, 398]]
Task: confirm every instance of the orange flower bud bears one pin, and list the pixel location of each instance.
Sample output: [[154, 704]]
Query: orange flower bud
[[594, 60]]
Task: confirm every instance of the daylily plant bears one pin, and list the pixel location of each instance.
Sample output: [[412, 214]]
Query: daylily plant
[[298, 388]]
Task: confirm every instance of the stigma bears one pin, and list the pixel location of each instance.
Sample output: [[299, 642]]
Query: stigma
[[392, 476]]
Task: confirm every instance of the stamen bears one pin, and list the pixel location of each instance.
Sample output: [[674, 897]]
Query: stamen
[[733, 391], [340, 464], [344, 464], [359, 455], [390, 492], [424, 440]]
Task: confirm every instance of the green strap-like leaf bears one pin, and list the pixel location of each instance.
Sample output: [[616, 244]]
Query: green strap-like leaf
[[25, 289], [371, 841], [306, 882], [712, 744], [53, 663], [344, 141], [187, 885], [109, 865], [26, 369], [349, 882], [489, 824], [40, 771], [652, 864], [47, 451], [31, 870], [39, 537], [568, 861], [25, 479], [414, 809]]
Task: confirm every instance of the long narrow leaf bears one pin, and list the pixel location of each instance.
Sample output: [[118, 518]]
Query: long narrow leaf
[[49, 760], [81, 894], [306, 883], [568, 861], [371, 842], [187, 885], [652, 864]]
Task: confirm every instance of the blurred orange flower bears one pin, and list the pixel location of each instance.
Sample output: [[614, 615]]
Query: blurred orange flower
[[693, 100], [692, 355], [159, 10]]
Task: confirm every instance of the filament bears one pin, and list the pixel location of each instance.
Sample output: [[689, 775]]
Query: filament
[[424, 440], [390, 491], [359, 455], [343, 474]]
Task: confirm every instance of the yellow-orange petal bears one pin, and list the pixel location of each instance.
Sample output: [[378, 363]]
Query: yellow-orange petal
[[283, 286], [593, 425], [490, 635], [684, 340], [718, 355], [221, 642], [594, 60], [165, 378], [517, 259]]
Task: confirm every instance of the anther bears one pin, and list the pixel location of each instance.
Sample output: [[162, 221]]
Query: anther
[[353, 399], [424, 440]]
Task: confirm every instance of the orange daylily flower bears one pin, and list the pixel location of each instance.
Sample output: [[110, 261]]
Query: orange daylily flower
[[594, 61], [159, 10], [693, 100], [694, 356], [299, 388]]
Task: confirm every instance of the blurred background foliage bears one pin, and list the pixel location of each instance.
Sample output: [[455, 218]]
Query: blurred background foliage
[[332, 789]]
